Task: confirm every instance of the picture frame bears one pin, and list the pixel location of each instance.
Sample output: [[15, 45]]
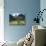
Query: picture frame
[[17, 19]]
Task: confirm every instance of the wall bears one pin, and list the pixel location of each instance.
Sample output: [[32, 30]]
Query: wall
[[28, 7], [1, 20]]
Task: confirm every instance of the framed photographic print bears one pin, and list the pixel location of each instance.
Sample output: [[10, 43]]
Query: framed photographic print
[[17, 19]]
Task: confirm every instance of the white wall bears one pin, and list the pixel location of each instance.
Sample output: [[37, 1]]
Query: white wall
[[1, 20]]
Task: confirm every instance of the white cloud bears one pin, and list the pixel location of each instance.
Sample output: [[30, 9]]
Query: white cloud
[[16, 14]]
